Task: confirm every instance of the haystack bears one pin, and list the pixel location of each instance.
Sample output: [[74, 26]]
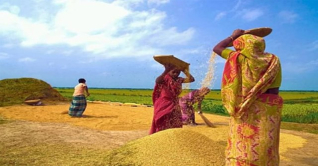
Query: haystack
[[176, 147], [17, 91]]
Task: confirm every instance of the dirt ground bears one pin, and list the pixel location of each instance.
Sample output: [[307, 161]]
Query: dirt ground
[[110, 125]]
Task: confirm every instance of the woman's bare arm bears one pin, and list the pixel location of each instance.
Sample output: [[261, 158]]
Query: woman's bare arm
[[86, 89], [225, 42], [189, 78]]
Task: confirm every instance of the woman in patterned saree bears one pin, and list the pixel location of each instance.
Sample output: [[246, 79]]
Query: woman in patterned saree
[[187, 102], [250, 86], [167, 113]]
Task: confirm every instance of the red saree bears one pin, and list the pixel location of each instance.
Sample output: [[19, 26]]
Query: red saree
[[167, 113]]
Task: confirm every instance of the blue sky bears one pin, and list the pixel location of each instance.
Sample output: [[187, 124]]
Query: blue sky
[[111, 43]]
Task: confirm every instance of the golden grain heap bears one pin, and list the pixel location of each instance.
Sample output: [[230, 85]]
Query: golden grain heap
[[169, 147]]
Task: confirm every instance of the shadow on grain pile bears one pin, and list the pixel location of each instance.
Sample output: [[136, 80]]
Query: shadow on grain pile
[[170, 147]]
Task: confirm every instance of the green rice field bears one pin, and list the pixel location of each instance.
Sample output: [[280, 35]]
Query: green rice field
[[299, 106]]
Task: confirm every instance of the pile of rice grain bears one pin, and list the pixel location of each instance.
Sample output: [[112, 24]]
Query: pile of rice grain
[[169, 147]]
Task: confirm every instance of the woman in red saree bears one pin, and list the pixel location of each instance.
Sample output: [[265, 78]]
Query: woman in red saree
[[167, 113], [250, 86]]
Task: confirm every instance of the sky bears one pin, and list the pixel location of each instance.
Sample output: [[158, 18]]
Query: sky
[[111, 43]]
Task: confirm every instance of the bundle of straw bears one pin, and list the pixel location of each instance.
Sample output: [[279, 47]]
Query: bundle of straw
[[206, 120]]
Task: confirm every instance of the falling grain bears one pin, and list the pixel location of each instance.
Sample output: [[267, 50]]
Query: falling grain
[[209, 76]]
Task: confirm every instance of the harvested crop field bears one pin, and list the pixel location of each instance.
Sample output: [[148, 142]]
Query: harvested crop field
[[111, 134]]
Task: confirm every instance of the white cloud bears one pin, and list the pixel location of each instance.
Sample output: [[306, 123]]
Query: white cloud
[[288, 16], [194, 51], [172, 37], [89, 17], [314, 62], [251, 14], [158, 2], [104, 29], [128, 4], [220, 15], [12, 8], [26, 59], [67, 52], [299, 68], [157, 66], [3, 55], [8, 45], [246, 14], [21, 28], [237, 5], [49, 52], [313, 46]]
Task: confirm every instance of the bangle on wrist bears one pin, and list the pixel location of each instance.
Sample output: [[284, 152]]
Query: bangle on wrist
[[231, 38]]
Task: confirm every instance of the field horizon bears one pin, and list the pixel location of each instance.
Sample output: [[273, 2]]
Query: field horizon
[[57, 87]]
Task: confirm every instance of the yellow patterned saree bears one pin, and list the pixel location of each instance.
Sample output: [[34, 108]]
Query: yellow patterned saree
[[255, 116]]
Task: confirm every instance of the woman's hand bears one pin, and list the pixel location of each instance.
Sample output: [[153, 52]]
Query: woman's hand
[[237, 33], [225, 43], [200, 98], [189, 78]]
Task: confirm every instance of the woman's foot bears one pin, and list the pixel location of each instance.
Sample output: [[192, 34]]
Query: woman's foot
[[193, 124]]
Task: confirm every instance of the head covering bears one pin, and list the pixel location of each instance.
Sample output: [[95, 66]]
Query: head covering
[[243, 81], [249, 45], [203, 91]]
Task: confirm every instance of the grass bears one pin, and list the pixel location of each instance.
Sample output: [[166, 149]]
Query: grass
[[114, 95], [16, 91], [300, 110], [299, 107]]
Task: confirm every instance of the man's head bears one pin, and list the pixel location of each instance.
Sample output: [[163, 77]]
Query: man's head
[[81, 80]]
